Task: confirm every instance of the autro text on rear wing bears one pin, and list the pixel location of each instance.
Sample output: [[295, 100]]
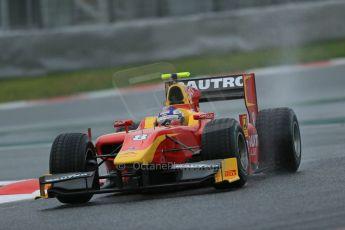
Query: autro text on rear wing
[[226, 87]]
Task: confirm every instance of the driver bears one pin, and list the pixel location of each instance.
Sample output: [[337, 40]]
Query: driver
[[170, 116]]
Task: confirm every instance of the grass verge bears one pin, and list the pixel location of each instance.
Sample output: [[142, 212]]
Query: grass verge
[[62, 84]]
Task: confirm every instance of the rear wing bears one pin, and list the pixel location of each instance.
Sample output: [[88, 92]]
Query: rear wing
[[226, 87]]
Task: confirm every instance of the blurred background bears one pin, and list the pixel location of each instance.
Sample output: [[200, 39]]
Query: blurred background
[[47, 14], [39, 37], [77, 45]]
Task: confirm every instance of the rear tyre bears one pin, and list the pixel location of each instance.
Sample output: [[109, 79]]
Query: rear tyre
[[279, 139], [224, 138], [72, 152]]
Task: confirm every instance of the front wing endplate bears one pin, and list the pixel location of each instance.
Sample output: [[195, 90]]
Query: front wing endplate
[[228, 171]]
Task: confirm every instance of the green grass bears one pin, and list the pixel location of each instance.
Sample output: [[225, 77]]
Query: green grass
[[61, 84]]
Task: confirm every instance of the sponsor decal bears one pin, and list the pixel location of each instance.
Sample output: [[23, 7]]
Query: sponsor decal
[[230, 173], [140, 137], [119, 123], [67, 177], [206, 116], [216, 83], [195, 166], [253, 141], [169, 166], [244, 123], [202, 116], [254, 118]]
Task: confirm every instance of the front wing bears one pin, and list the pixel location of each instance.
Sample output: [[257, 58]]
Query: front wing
[[216, 171]]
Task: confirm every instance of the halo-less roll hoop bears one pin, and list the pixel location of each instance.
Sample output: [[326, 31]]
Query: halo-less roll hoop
[[175, 76]]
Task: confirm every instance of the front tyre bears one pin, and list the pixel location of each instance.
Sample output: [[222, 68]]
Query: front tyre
[[72, 152], [224, 138]]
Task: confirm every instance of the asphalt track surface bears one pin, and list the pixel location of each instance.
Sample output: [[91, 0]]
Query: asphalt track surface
[[313, 198]]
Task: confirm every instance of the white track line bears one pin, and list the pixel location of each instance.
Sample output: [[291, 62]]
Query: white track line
[[18, 197], [13, 105], [298, 67], [7, 182], [337, 61]]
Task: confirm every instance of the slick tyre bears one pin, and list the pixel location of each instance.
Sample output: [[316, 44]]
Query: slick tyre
[[279, 139], [224, 138], [72, 152]]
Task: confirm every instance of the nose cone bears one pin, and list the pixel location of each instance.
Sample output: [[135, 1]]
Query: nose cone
[[139, 148]]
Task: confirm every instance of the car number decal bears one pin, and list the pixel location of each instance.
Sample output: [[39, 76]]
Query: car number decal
[[140, 137]]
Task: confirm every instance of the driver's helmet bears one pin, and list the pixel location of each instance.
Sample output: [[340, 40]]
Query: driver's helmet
[[170, 116]]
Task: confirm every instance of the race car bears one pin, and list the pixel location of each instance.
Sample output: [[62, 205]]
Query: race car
[[182, 146]]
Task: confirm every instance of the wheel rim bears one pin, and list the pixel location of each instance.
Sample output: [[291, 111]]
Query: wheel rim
[[297, 139], [243, 152]]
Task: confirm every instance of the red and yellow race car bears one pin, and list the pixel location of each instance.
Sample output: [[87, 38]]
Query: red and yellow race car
[[181, 146]]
